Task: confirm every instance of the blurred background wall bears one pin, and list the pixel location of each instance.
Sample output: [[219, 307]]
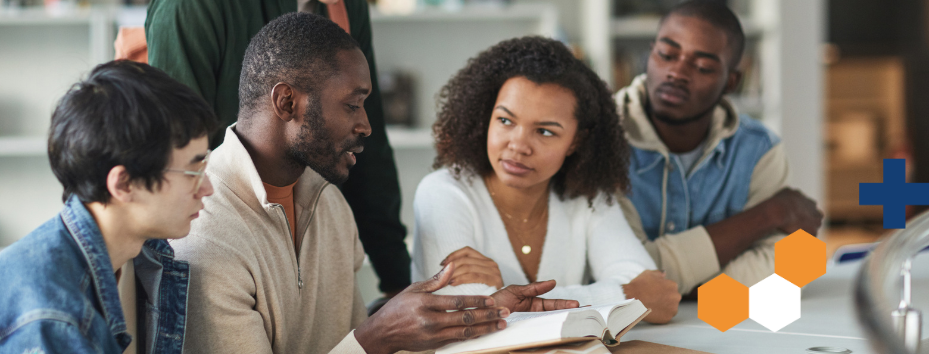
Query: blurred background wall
[[839, 80]]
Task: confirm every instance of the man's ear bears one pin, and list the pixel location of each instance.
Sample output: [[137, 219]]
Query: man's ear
[[732, 82], [119, 185], [284, 101]]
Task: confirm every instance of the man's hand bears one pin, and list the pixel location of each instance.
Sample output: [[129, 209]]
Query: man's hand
[[473, 267], [656, 293], [417, 320], [787, 211], [796, 212], [524, 298]]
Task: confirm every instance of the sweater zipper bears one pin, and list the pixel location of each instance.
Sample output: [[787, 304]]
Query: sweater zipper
[[289, 233]]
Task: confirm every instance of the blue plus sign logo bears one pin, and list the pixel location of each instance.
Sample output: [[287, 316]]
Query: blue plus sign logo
[[894, 194]]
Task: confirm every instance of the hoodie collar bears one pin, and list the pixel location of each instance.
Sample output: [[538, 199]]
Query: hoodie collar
[[642, 135]]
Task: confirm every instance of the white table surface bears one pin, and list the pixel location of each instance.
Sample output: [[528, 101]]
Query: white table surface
[[827, 319]]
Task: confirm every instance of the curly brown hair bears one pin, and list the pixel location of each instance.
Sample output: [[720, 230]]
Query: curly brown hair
[[601, 160]]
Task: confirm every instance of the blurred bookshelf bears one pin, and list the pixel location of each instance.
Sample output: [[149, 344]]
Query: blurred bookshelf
[[45, 51], [866, 122]]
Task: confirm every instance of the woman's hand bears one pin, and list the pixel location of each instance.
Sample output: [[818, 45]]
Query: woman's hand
[[473, 267], [657, 293], [525, 298]]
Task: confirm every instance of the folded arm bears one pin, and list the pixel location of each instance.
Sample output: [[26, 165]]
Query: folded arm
[[741, 244]]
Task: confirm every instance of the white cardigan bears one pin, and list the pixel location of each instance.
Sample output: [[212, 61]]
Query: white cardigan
[[581, 242]]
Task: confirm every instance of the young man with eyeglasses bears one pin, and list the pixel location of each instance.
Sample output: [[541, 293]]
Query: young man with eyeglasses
[[129, 145]]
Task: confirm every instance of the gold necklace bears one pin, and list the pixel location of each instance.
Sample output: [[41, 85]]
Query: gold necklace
[[526, 249]]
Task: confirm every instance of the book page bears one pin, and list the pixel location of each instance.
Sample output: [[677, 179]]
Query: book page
[[606, 309], [622, 316], [518, 332], [522, 316], [525, 328]]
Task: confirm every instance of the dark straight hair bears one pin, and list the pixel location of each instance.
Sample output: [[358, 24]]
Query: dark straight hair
[[125, 113]]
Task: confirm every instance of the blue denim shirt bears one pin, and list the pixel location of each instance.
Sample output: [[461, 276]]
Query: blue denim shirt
[[716, 187], [59, 292]]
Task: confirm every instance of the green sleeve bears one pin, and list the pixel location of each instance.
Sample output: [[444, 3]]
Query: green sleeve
[[202, 43], [372, 190], [182, 42]]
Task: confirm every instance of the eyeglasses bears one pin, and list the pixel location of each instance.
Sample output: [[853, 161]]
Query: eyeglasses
[[199, 173]]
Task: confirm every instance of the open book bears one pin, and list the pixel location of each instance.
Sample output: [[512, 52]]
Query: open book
[[606, 322]]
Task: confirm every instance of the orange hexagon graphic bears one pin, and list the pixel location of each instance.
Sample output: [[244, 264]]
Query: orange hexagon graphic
[[722, 302], [800, 258]]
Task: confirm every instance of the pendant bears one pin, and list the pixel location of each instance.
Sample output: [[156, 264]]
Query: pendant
[[527, 249]]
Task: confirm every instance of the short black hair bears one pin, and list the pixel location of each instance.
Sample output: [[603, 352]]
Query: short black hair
[[124, 113], [601, 160], [719, 15], [297, 48]]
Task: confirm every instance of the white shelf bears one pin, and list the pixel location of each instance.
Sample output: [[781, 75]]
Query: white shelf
[[99, 19], [470, 13], [634, 27], [124, 15], [410, 138], [23, 146], [131, 16], [42, 16], [645, 28]]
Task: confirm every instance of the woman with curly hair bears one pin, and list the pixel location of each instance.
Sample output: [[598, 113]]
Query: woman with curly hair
[[532, 158]]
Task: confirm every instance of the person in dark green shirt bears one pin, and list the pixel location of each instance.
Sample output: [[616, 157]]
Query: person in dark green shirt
[[201, 43]]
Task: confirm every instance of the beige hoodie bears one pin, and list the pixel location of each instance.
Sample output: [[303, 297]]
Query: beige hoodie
[[249, 290], [689, 257]]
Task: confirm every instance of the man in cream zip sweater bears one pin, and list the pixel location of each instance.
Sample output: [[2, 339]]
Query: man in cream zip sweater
[[274, 254], [709, 188]]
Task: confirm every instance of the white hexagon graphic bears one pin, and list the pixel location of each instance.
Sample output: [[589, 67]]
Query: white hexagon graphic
[[774, 302]]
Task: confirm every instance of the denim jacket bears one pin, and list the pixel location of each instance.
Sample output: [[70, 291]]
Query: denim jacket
[[742, 164], [670, 200], [59, 292]]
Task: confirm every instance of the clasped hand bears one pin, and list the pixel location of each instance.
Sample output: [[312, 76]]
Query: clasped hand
[[657, 293], [473, 267]]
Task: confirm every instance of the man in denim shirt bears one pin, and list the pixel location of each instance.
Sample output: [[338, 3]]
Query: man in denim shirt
[[708, 188], [129, 145]]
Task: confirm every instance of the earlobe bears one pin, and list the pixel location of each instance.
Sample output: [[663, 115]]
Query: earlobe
[[119, 184], [571, 150], [283, 101], [580, 137], [735, 77]]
